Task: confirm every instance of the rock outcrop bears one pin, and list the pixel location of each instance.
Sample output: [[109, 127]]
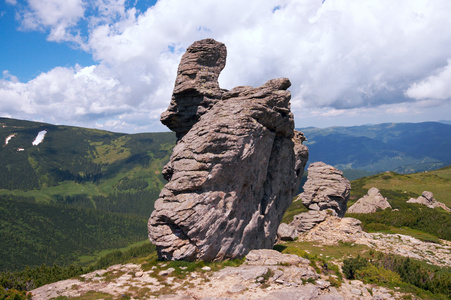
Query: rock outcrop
[[326, 188], [427, 198], [370, 203], [236, 165], [326, 192]]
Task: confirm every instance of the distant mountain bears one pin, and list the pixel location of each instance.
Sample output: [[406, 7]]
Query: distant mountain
[[62, 188], [400, 147]]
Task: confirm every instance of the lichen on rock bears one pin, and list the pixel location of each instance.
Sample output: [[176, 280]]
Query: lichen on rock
[[236, 165]]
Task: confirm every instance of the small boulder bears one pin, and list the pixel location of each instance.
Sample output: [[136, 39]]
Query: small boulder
[[370, 203], [307, 220], [286, 232]]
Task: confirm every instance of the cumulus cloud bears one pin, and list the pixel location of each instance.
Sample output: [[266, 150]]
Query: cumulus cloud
[[435, 86], [341, 56], [59, 17]]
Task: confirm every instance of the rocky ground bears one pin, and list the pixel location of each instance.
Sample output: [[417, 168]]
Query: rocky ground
[[266, 274], [334, 229]]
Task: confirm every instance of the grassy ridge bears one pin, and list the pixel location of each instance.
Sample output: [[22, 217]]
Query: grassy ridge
[[407, 218], [438, 182]]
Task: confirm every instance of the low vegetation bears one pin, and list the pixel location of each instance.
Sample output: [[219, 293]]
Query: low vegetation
[[412, 185], [394, 271], [407, 218]]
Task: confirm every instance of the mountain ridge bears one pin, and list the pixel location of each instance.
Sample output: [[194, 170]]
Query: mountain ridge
[[399, 147]]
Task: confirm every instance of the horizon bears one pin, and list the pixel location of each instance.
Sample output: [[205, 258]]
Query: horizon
[[112, 65], [445, 122]]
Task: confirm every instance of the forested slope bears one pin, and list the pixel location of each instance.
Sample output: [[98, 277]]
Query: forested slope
[[75, 191]]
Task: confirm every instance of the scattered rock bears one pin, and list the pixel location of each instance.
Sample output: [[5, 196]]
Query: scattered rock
[[166, 272], [235, 168], [237, 288], [427, 198], [280, 281], [334, 230], [267, 257], [287, 232], [206, 268], [308, 291], [370, 203], [139, 274], [322, 284]]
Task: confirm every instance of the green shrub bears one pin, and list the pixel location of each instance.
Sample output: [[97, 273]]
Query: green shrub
[[374, 274], [13, 294], [373, 227], [352, 265]]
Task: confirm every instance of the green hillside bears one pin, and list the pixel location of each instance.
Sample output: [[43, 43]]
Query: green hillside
[[407, 218], [438, 182], [76, 192], [83, 167]]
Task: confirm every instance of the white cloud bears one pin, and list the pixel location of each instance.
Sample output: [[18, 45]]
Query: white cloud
[[435, 86], [56, 15], [341, 56]]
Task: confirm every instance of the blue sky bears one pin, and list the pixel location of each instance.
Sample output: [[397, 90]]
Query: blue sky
[[111, 64]]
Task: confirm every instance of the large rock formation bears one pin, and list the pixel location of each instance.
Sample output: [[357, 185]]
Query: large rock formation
[[235, 167], [427, 198], [370, 203], [326, 192]]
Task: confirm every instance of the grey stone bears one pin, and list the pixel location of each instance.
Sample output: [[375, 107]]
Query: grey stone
[[286, 232], [245, 273], [166, 272], [308, 291], [322, 284], [427, 198], [307, 220], [236, 288], [267, 257], [327, 188], [234, 169], [370, 203], [196, 87]]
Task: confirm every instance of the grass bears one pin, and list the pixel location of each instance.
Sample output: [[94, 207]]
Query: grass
[[423, 236], [311, 250], [89, 259], [438, 182]]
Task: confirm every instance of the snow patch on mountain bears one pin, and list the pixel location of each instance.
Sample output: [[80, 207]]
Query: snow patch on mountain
[[9, 138], [39, 138]]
